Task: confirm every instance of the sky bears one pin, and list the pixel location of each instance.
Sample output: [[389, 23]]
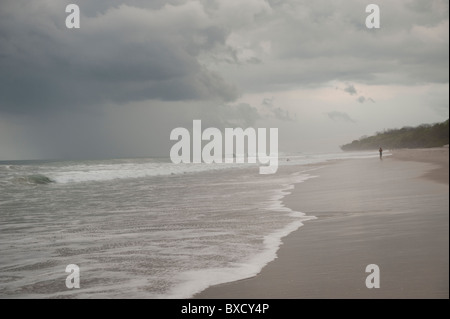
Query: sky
[[135, 70]]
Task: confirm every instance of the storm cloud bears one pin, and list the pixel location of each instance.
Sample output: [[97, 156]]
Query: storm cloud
[[135, 69], [123, 54]]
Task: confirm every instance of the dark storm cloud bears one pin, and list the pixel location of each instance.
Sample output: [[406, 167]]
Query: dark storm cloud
[[138, 68], [182, 50], [122, 54]]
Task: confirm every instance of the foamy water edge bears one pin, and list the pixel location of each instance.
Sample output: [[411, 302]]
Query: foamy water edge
[[194, 282]]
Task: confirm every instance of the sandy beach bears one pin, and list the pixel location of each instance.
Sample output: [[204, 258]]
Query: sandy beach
[[392, 213]]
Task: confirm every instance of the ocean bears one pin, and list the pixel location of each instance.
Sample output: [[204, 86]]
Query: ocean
[[143, 228]]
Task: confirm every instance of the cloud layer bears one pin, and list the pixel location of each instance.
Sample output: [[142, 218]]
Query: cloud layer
[[123, 54], [139, 67]]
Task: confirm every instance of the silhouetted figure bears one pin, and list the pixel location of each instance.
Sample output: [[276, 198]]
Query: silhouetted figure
[[381, 153]]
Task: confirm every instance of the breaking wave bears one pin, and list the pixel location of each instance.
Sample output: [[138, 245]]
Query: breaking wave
[[35, 179]]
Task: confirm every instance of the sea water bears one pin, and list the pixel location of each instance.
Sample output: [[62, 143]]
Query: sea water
[[142, 228]]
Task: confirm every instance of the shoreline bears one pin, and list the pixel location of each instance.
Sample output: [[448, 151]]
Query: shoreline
[[368, 212]]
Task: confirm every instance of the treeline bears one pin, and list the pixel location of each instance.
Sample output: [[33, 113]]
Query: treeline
[[423, 136]]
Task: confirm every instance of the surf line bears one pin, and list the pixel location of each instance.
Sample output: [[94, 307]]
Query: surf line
[[212, 151]]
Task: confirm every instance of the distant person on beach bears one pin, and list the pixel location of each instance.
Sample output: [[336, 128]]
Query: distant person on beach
[[381, 153]]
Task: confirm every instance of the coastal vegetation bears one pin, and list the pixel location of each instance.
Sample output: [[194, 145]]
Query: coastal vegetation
[[423, 136]]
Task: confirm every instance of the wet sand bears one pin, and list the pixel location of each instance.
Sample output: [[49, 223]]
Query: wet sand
[[438, 156], [393, 213]]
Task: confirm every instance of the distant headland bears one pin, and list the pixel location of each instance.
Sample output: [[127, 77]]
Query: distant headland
[[423, 136]]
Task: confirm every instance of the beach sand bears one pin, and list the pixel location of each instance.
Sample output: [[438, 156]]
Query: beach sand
[[392, 213], [437, 156]]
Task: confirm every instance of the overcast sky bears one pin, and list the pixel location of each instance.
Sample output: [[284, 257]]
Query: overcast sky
[[135, 70]]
